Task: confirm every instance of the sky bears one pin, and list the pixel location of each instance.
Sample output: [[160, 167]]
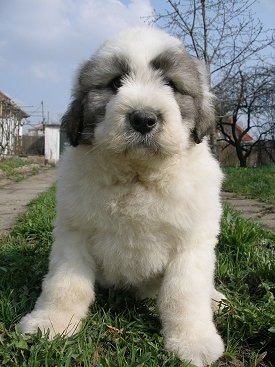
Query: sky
[[42, 42]]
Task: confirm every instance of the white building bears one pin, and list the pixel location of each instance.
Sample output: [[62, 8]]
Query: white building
[[52, 143]]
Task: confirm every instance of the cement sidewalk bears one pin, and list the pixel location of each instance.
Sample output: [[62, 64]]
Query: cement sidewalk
[[14, 197], [256, 210]]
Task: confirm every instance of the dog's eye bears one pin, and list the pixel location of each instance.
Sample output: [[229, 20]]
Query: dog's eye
[[171, 84], [116, 83]]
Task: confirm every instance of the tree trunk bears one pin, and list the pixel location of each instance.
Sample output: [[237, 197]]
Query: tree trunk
[[242, 158], [243, 162]]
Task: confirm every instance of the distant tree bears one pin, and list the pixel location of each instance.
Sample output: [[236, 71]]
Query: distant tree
[[226, 34], [246, 106], [223, 33]]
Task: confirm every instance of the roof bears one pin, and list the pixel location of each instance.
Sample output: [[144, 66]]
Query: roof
[[37, 128], [58, 126], [41, 127], [246, 137], [228, 121], [12, 105]]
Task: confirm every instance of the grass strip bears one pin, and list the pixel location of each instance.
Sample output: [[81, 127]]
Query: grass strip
[[257, 183]]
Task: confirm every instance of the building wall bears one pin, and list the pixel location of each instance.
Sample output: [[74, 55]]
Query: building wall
[[52, 144]]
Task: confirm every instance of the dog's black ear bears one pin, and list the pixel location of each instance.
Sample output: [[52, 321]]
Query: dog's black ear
[[72, 121], [205, 111]]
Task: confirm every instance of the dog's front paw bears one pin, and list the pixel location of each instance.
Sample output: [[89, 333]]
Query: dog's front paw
[[49, 323], [200, 349]]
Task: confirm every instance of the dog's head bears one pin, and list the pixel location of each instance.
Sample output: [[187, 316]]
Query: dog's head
[[141, 89]]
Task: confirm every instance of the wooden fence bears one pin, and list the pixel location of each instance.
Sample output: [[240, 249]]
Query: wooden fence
[[30, 145]]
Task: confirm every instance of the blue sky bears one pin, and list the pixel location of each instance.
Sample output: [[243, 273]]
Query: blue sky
[[43, 41]]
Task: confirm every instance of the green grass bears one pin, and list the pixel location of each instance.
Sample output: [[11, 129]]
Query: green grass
[[123, 332], [258, 183], [246, 272], [10, 168], [9, 165]]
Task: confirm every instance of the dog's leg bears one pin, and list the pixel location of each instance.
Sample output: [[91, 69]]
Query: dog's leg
[[185, 307], [67, 289]]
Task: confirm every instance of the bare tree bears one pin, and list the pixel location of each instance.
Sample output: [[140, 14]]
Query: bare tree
[[245, 108], [226, 34], [223, 33]]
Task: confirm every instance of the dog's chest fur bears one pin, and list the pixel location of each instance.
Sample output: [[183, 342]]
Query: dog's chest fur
[[135, 231], [135, 218], [134, 221], [132, 236]]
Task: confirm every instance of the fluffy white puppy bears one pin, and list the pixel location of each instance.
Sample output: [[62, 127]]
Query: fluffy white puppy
[[138, 193]]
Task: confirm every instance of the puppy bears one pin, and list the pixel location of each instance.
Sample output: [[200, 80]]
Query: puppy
[[138, 193]]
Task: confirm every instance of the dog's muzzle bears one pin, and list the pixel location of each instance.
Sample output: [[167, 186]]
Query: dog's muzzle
[[143, 121]]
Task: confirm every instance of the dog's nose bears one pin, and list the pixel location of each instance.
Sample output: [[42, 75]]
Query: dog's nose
[[143, 121]]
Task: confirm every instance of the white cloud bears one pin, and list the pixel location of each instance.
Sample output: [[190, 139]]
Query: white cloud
[[43, 41], [47, 33], [60, 29]]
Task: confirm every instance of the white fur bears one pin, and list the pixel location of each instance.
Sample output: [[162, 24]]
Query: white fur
[[136, 218]]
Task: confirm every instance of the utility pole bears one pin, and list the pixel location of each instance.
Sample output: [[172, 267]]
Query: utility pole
[[43, 115]]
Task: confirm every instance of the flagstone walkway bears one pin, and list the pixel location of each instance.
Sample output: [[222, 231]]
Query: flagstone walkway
[[15, 196], [256, 210]]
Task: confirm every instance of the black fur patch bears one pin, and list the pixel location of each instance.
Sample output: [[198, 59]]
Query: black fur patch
[[92, 93], [185, 73]]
